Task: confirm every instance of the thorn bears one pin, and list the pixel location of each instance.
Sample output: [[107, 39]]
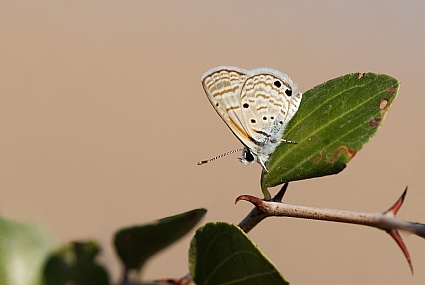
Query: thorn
[[257, 202], [394, 208], [396, 236], [394, 232], [279, 196]]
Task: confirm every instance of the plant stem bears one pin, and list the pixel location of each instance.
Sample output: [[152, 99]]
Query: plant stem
[[382, 220]]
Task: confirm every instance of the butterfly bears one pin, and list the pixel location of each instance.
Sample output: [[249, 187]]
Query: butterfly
[[256, 105]]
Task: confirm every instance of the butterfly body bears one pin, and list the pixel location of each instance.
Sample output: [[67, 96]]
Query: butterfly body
[[256, 105]]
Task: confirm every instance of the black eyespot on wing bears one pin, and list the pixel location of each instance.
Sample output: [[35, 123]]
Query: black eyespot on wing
[[281, 122], [272, 118], [253, 121], [277, 84], [216, 104], [288, 92], [264, 118], [245, 105]]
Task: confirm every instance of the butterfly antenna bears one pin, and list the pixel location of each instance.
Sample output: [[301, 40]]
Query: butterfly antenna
[[219, 156]]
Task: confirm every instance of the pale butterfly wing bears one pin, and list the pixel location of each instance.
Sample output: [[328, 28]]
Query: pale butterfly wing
[[264, 103], [256, 105], [269, 100], [222, 86]]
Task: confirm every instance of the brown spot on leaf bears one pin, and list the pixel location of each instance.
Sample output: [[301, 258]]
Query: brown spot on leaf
[[324, 153], [391, 90], [383, 104], [375, 122], [361, 74], [350, 153], [316, 160]]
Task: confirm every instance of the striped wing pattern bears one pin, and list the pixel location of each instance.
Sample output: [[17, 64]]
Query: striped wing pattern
[[256, 104], [264, 106], [223, 87]]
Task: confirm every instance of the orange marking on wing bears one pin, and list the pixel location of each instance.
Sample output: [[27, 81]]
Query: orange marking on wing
[[226, 91], [240, 130], [262, 95], [232, 108], [211, 79]]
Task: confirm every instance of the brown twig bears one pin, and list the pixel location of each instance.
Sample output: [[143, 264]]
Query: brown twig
[[382, 220]]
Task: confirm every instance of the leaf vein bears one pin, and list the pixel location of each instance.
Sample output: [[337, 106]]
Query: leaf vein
[[327, 124]]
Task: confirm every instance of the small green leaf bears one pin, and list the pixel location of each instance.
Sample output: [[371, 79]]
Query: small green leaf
[[221, 253], [23, 251], [334, 121], [135, 245], [75, 263]]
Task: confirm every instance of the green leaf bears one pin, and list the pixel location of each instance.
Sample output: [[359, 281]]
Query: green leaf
[[334, 121], [136, 244], [221, 253], [75, 264], [23, 251]]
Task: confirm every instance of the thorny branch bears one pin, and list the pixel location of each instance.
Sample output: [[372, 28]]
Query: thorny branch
[[386, 221]]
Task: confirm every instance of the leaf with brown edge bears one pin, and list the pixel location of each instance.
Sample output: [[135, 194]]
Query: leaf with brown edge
[[334, 121]]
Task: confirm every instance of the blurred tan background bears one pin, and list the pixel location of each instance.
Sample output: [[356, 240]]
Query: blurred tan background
[[103, 121]]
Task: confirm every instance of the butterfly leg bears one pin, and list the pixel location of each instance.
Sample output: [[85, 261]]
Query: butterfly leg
[[262, 164]]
